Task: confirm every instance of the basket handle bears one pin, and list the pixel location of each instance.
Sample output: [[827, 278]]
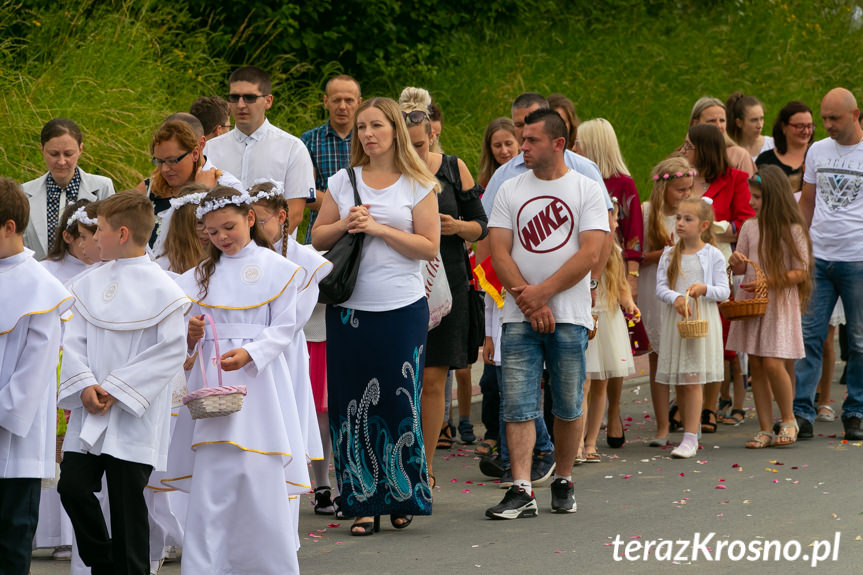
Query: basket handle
[[760, 279], [697, 308], [199, 346]]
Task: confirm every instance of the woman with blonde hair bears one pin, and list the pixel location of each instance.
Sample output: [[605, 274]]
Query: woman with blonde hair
[[708, 110], [462, 219], [598, 142], [499, 145], [376, 339]]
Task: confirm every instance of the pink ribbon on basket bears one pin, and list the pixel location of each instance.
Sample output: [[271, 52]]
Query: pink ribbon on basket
[[206, 390]]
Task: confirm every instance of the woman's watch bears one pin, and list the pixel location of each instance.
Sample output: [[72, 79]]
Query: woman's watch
[[593, 284]]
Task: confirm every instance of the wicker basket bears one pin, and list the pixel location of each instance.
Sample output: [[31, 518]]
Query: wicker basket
[[213, 401], [692, 328], [592, 333], [748, 308]]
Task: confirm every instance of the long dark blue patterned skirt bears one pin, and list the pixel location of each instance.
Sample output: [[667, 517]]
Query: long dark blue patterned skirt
[[374, 376]]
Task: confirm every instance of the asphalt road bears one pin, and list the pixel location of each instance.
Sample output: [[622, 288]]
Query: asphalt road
[[804, 497]]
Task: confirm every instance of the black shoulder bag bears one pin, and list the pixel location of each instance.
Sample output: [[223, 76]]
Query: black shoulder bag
[[345, 254]]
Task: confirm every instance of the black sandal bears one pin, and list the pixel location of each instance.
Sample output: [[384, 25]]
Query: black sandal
[[708, 426], [406, 520], [735, 418], [367, 527], [445, 439], [324, 504]]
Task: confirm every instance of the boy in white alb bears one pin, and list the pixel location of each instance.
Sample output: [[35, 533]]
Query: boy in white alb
[[121, 352], [256, 150], [29, 343], [547, 229]]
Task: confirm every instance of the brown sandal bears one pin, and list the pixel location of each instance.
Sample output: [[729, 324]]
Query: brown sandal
[[760, 440], [787, 434]]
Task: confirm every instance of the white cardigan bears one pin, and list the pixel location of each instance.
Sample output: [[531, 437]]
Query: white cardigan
[[715, 278], [36, 235]]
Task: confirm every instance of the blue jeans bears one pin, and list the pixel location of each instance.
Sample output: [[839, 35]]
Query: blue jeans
[[832, 280], [543, 439], [523, 353]]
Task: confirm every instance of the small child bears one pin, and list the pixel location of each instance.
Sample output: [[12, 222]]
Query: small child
[[672, 182], [33, 301], [776, 240], [609, 354], [122, 349], [85, 221], [271, 209], [181, 247], [67, 257], [694, 267], [234, 467], [65, 261]]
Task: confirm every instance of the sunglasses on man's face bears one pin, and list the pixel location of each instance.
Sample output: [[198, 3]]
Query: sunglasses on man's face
[[247, 98]]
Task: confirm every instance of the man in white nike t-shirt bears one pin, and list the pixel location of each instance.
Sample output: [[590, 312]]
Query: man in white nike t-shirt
[[547, 229]]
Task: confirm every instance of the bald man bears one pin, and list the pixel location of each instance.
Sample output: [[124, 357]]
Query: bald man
[[832, 204]]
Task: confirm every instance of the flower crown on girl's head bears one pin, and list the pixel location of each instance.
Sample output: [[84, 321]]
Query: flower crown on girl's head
[[670, 176], [80, 215], [264, 194], [177, 203], [241, 199]]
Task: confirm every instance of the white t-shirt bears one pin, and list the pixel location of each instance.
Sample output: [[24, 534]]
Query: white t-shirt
[[386, 280], [837, 223], [546, 218], [268, 153]]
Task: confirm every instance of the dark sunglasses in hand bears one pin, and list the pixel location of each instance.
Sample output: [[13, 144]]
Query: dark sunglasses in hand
[[247, 98]]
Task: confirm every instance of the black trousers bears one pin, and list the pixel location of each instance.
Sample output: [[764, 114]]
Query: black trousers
[[490, 388], [19, 513], [127, 551]]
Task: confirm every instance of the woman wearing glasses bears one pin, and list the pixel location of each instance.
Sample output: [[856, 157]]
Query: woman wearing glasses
[[793, 133], [177, 158], [462, 219], [64, 183]]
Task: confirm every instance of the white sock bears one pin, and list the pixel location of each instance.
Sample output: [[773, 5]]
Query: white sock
[[690, 440], [524, 484], [567, 477]]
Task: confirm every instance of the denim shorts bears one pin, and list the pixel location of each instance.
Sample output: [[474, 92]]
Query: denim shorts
[[523, 353]]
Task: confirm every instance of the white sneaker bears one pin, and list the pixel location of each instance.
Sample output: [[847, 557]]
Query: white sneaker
[[683, 451]]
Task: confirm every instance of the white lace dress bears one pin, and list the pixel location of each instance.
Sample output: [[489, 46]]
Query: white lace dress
[[695, 360]]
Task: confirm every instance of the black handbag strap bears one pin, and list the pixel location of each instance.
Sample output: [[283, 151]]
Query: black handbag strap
[[353, 178]]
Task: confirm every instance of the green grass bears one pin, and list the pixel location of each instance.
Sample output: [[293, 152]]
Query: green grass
[[643, 72], [119, 71]]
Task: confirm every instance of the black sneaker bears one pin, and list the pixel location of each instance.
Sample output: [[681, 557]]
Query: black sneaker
[[542, 467], [506, 479], [516, 503], [491, 465], [465, 431], [804, 428], [563, 496], [853, 428]]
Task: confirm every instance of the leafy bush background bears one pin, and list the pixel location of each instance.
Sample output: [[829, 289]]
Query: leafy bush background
[[119, 67]]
